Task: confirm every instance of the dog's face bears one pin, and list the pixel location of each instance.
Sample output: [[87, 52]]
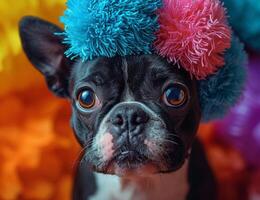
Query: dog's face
[[133, 114]]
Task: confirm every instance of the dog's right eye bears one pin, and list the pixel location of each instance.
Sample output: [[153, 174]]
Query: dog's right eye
[[87, 99]]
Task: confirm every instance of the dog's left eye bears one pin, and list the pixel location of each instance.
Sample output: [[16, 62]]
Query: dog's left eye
[[87, 99], [175, 96]]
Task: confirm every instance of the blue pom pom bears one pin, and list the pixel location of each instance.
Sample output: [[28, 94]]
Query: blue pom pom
[[95, 28], [219, 92], [245, 20]]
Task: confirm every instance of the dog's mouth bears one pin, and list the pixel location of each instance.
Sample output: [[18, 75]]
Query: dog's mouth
[[131, 163], [147, 158], [127, 162], [130, 159]]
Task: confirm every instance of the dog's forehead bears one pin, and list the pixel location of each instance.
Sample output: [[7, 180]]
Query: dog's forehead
[[131, 70], [153, 68], [101, 68]]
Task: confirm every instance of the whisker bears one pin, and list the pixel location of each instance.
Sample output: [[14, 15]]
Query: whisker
[[78, 158], [173, 134], [171, 141]]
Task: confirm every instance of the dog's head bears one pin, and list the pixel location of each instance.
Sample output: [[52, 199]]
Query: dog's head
[[132, 114]]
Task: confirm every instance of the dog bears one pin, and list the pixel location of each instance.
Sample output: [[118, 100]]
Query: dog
[[135, 116]]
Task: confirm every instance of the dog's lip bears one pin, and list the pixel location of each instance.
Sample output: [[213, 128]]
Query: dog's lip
[[131, 154], [128, 156]]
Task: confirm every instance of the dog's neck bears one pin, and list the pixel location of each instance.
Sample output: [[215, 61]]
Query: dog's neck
[[171, 186]]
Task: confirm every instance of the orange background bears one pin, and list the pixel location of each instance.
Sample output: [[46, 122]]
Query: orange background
[[38, 152]]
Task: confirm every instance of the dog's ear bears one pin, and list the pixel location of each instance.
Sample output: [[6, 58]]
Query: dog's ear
[[45, 50]]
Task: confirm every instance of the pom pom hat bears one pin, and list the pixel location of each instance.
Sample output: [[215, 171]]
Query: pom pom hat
[[110, 27], [194, 34]]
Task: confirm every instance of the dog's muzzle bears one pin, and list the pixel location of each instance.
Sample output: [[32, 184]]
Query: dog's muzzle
[[132, 136]]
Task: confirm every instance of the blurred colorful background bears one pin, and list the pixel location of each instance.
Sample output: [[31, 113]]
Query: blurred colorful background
[[38, 152]]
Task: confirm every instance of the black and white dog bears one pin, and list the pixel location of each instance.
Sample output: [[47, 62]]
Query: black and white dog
[[136, 118]]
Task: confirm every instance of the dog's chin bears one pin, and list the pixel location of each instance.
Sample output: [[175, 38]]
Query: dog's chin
[[134, 169]]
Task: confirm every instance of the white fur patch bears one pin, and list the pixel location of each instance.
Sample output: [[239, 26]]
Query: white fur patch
[[109, 188]]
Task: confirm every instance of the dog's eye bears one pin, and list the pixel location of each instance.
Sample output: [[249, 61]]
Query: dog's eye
[[87, 99], [175, 96]]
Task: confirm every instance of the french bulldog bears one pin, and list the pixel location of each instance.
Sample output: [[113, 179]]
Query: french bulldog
[[136, 118]]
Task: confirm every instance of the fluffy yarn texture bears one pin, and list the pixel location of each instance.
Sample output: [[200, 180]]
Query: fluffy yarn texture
[[219, 92], [193, 34], [245, 20], [95, 28]]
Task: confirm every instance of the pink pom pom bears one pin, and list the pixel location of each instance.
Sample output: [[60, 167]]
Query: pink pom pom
[[194, 34]]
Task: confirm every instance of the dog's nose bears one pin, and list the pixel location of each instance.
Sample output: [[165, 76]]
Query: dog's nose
[[129, 117]]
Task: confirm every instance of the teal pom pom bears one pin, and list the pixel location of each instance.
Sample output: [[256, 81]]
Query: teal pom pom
[[245, 20], [219, 92], [95, 28]]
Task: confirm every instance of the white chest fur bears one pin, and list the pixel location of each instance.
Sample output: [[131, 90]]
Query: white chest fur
[[172, 186]]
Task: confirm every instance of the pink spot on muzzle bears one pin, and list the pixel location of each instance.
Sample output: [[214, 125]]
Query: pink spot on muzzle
[[107, 146], [150, 145]]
